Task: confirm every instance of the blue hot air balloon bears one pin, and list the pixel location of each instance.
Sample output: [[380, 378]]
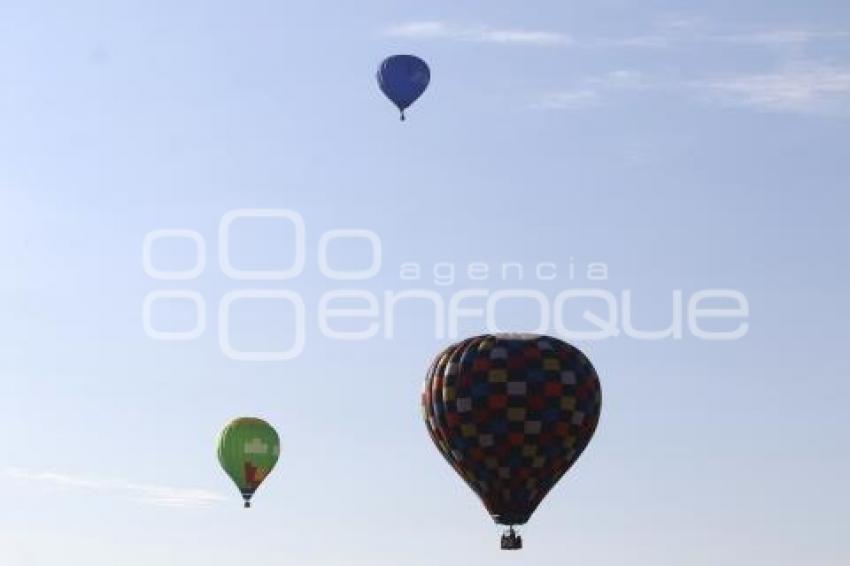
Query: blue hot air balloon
[[403, 79]]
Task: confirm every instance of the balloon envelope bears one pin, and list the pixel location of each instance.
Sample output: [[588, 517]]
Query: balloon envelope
[[403, 79], [248, 449], [511, 414]]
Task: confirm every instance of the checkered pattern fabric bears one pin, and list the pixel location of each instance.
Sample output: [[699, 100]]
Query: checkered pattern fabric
[[511, 414]]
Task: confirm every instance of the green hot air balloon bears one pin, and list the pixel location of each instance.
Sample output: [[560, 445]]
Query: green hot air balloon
[[248, 449]]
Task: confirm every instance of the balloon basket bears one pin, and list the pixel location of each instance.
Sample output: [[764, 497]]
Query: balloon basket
[[511, 540]]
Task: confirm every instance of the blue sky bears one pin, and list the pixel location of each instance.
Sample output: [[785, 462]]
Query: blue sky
[[686, 147]]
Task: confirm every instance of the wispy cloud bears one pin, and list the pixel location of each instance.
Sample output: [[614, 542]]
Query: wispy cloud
[[145, 493], [620, 80], [592, 91], [575, 99], [667, 33], [803, 88], [794, 88], [646, 41], [479, 34], [670, 37], [780, 37]]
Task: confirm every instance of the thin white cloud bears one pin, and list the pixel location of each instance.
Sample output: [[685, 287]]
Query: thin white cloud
[[145, 493], [780, 37], [682, 29], [804, 88], [648, 41], [681, 22], [799, 88], [667, 33], [478, 34], [593, 90], [576, 99], [669, 37], [621, 79]]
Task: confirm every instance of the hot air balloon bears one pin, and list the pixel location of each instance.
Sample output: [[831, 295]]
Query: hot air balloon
[[511, 413], [403, 79], [248, 449]]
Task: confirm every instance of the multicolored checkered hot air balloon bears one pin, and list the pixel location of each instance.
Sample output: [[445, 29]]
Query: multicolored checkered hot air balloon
[[248, 449], [511, 413]]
